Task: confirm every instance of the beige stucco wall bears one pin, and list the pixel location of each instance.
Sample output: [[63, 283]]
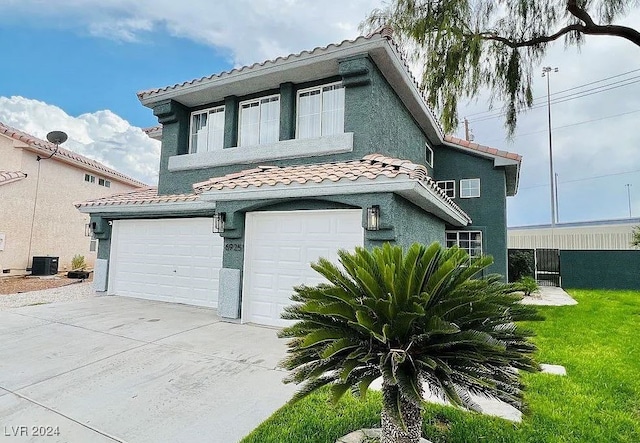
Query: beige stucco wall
[[58, 227]]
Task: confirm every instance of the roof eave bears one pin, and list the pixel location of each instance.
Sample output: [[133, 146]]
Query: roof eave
[[141, 209], [511, 166], [411, 189]]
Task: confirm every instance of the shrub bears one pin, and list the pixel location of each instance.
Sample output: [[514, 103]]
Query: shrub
[[521, 264], [78, 263], [409, 317], [528, 285]]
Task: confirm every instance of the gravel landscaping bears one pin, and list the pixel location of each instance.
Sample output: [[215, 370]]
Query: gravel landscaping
[[73, 291]]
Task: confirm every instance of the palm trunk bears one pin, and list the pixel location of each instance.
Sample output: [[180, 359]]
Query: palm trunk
[[411, 412]]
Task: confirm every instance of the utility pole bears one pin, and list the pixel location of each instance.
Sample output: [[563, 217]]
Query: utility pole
[[628, 185], [546, 72], [557, 204], [466, 130]]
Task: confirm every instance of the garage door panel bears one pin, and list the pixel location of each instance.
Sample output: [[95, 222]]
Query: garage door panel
[[280, 246], [173, 260]]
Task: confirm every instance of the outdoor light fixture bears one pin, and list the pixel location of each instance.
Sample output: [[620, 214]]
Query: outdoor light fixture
[[218, 222], [88, 229], [373, 218]]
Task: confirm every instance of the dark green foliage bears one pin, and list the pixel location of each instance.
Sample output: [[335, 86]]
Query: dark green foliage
[[635, 241], [409, 317], [467, 46], [596, 402], [528, 285], [522, 263]]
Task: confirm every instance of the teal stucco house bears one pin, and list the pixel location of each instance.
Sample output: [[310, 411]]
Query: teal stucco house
[[268, 167]]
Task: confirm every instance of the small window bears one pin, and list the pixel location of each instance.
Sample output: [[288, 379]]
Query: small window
[[470, 241], [320, 111], [90, 178], [93, 246], [428, 152], [107, 184], [101, 181], [470, 188], [207, 130], [259, 121], [449, 187]]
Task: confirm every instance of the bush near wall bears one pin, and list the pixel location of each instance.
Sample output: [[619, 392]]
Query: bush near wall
[[521, 263]]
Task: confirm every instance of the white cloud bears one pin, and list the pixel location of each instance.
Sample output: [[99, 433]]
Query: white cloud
[[253, 31], [101, 135]]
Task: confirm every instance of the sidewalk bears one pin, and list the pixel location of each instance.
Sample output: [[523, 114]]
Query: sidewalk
[[550, 296]]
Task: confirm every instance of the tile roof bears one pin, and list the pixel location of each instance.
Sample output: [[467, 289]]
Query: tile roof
[[370, 167], [77, 159], [148, 195], [11, 176], [149, 92], [385, 32], [481, 148]]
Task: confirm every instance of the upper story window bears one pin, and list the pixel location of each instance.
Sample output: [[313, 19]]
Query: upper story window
[[207, 130], [104, 182], [428, 153], [320, 111], [470, 188], [90, 178], [259, 121], [449, 187]]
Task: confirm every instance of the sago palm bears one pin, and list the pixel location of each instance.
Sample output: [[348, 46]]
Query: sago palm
[[410, 318]]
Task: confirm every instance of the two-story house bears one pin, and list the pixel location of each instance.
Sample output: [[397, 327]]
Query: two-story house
[[39, 184], [266, 168]]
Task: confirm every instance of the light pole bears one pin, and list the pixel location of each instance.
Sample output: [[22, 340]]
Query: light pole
[[628, 185], [546, 72]]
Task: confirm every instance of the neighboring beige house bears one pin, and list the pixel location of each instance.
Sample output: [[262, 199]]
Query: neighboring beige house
[[37, 215]]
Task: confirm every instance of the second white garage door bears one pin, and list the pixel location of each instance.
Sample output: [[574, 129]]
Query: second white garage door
[[279, 248], [174, 260]]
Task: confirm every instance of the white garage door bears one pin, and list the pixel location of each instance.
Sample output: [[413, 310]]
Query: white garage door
[[173, 260], [279, 246]]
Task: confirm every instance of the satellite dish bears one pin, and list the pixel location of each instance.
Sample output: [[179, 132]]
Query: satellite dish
[[57, 137]]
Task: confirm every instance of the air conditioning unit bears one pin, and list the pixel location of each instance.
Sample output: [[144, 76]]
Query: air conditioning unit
[[44, 265]]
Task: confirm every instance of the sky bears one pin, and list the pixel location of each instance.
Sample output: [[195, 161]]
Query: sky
[[76, 65]]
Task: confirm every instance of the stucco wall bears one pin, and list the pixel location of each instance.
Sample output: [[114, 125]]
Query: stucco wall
[[58, 227], [489, 211], [373, 113]]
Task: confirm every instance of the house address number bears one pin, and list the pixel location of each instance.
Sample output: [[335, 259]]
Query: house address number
[[233, 247]]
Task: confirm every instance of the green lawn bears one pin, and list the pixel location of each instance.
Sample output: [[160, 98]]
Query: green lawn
[[598, 341]]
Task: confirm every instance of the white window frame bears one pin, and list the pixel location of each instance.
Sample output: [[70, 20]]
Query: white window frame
[[319, 88], [89, 178], [463, 188], [428, 154], [470, 250], [211, 110], [446, 188], [259, 100]]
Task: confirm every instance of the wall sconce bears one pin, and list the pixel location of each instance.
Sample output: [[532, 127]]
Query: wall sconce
[[373, 218], [218, 222], [88, 229]]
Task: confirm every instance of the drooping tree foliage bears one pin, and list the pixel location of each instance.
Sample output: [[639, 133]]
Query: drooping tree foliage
[[409, 318], [464, 46]]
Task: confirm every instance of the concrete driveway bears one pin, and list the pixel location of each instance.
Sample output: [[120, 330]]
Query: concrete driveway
[[111, 369]]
